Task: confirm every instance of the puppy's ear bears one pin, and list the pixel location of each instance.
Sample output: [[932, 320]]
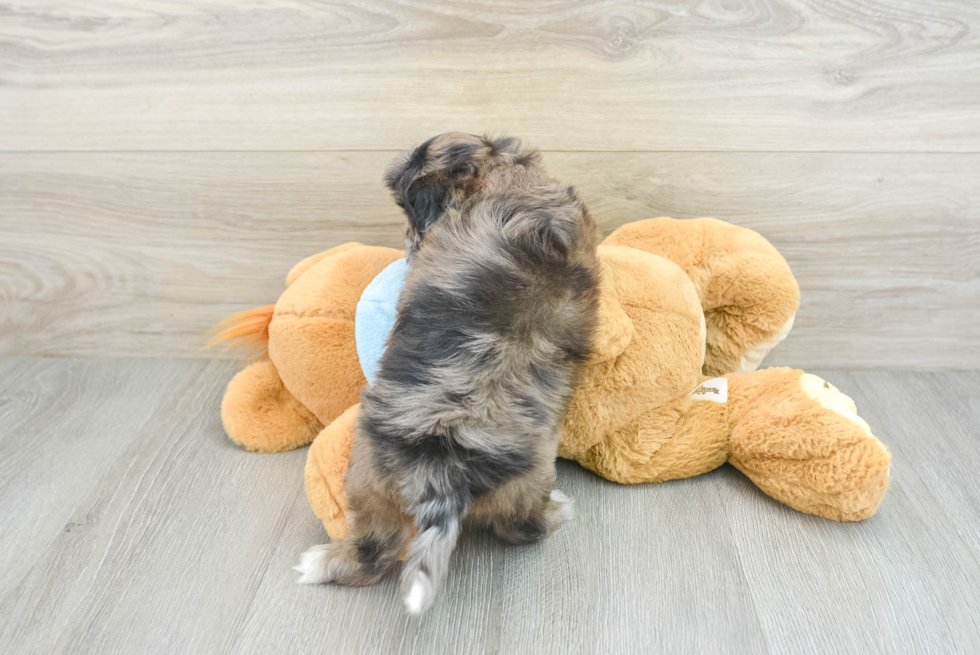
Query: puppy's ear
[[441, 171], [422, 203]]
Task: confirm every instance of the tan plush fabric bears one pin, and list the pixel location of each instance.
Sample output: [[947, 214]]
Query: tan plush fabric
[[307, 263], [261, 415], [801, 450], [326, 466], [747, 289], [791, 446], [632, 419], [311, 337], [313, 369], [661, 360]]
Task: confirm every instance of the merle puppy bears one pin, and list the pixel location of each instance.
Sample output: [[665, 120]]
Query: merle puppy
[[496, 316]]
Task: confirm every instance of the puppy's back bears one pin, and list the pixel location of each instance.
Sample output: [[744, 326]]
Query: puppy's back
[[496, 315], [505, 286]]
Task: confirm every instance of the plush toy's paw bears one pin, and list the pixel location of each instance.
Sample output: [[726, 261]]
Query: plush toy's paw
[[830, 397], [802, 442], [752, 359]]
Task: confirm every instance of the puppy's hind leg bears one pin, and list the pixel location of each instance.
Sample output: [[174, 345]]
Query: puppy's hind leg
[[560, 508], [525, 525], [379, 535]]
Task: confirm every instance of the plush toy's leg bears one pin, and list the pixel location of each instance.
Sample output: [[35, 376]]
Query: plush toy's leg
[[750, 300], [752, 358], [748, 310], [801, 441], [747, 290], [667, 443], [326, 466], [261, 415], [795, 436]]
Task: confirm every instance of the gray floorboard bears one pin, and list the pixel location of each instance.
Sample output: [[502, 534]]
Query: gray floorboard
[[130, 524], [62, 424]]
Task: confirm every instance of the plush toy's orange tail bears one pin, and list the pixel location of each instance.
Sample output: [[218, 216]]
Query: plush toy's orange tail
[[248, 330]]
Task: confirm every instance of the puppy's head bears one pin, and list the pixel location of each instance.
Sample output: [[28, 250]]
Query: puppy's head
[[449, 169]]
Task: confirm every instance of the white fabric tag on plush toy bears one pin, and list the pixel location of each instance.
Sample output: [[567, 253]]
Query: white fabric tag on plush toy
[[715, 389]]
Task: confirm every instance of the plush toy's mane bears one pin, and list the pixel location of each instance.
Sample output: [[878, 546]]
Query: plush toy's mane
[[248, 330]]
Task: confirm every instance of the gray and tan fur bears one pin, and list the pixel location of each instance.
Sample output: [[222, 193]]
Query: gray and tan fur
[[494, 320]]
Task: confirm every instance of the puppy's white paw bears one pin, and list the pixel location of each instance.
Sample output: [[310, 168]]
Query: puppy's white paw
[[561, 508], [313, 565]]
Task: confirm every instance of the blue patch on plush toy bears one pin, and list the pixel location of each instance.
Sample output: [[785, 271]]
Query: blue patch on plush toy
[[375, 316]]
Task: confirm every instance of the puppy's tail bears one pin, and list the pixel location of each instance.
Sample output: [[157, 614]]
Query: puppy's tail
[[248, 330], [438, 521]]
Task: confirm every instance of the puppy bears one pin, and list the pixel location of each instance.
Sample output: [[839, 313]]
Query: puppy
[[494, 320]]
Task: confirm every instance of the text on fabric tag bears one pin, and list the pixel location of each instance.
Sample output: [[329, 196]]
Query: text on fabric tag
[[715, 389]]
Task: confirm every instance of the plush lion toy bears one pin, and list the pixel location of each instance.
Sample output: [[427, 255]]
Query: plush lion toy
[[688, 310]]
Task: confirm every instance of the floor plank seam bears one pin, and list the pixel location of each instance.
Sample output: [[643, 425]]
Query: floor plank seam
[[741, 570], [275, 542]]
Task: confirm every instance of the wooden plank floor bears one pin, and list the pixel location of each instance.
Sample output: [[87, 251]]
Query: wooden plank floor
[[130, 524]]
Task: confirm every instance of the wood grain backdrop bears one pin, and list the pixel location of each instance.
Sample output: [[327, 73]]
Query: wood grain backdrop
[[163, 164]]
